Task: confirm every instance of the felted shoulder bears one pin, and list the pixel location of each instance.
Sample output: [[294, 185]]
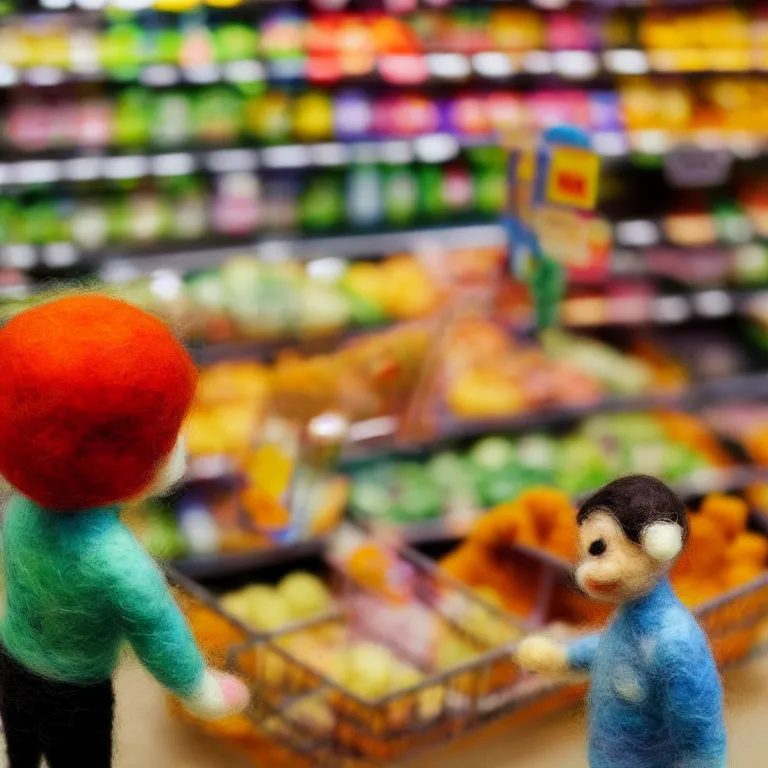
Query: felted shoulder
[[114, 554], [679, 636]]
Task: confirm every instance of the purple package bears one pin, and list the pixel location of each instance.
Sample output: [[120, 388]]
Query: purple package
[[353, 115], [605, 112]]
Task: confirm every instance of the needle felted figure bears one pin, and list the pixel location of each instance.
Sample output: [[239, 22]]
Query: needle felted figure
[[655, 698], [92, 396]]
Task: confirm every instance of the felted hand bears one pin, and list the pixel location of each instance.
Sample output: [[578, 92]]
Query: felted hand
[[544, 656], [219, 695]]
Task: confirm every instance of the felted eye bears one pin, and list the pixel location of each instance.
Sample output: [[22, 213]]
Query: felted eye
[[597, 547]]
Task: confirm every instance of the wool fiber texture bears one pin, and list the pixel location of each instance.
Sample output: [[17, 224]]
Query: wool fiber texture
[[77, 588], [655, 698], [70, 725], [637, 501], [93, 395]]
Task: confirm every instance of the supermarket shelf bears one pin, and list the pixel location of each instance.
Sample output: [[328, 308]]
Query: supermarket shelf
[[201, 567], [430, 148], [116, 265], [94, 7], [664, 309], [631, 236], [433, 148], [553, 417], [344, 246], [731, 480], [414, 68], [151, 75], [669, 309], [87, 8], [210, 353], [746, 386], [647, 232]]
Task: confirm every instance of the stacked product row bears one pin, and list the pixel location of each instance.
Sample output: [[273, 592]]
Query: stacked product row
[[329, 47]]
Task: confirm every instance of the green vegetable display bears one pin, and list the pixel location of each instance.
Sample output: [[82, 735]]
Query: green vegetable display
[[497, 469]]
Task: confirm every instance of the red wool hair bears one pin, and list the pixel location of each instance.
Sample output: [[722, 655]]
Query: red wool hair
[[93, 392]]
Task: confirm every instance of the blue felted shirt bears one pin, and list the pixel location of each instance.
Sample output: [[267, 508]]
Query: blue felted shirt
[[77, 587], [655, 699]]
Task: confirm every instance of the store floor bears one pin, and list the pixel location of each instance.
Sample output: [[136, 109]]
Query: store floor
[[148, 738]]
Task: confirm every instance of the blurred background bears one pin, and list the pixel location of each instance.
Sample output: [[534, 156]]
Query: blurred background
[[386, 450]]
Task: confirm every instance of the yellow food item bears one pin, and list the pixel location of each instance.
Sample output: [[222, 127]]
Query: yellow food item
[[368, 670], [483, 393], [259, 606], [227, 382], [271, 468], [331, 505], [305, 595], [408, 290], [453, 651]]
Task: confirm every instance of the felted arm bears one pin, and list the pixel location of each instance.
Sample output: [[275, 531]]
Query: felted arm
[[581, 653], [694, 700], [151, 620]]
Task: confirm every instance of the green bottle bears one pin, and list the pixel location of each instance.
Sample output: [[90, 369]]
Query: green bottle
[[235, 42], [171, 124], [322, 204], [121, 50], [401, 195], [431, 192], [133, 116]]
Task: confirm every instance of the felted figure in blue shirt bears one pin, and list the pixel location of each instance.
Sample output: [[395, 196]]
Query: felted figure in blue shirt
[[655, 697]]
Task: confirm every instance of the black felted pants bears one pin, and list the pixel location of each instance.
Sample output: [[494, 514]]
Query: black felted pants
[[71, 725]]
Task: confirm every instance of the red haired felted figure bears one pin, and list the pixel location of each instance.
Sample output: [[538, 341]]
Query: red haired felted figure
[[93, 392]]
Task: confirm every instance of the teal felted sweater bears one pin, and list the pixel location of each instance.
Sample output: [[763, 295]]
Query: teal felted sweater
[[77, 587]]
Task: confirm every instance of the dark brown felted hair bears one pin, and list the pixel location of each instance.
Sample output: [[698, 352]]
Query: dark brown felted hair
[[637, 501]]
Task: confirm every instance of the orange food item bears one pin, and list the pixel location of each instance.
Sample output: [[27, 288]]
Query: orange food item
[[509, 523], [705, 543], [729, 512], [545, 506], [688, 430], [371, 566], [741, 573], [748, 549], [213, 633], [463, 564], [263, 508], [695, 590], [756, 443], [757, 495], [563, 541], [498, 526]]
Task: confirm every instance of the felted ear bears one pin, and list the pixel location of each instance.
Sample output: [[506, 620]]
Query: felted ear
[[663, 541]]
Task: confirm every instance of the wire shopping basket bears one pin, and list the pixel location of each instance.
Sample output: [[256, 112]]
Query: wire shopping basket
[[434, 661]]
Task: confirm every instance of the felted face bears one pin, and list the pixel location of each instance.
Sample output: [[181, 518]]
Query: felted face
[[611, 567]]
